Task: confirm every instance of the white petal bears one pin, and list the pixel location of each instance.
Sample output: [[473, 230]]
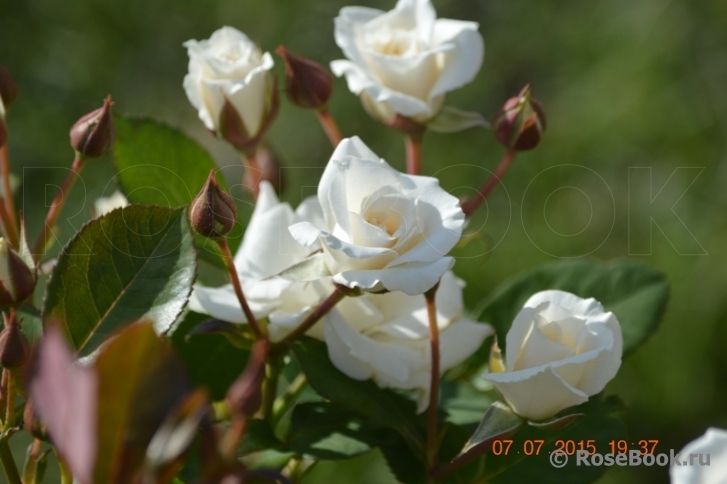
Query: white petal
[[460, 340], [712, 443], [347, 25], [462, 62], [221, 303], [537, 393], [413, 279]]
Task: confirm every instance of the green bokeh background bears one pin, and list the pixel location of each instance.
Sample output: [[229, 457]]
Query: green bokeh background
[[625, 83]]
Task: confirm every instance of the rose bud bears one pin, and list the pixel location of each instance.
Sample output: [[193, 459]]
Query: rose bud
[[14, 346], [307, 83], [33, 423], [17, 277], [8, 90], [93, 135], [245, 395], [520, 123], [212, 212]]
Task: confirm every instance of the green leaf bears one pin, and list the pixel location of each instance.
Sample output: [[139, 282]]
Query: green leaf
[[635, 293], [452, 120], [325, 431], [131, 409], [131, 264], [157, 164], [365, 469], [498, 420], [381, 408], [211, 360], [259, 436]]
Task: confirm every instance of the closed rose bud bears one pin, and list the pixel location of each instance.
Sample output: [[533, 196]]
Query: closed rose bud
[[212, 212], [14, 346], [32, 423], [244, 397], [17, 277], [520, 123], [93, 135], [307, 83], [8, 90]]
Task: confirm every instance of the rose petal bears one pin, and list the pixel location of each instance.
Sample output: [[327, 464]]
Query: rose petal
[[462, 61], [412, 279]]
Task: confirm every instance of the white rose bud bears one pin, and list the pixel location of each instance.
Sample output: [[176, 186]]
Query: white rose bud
[[405, 61], [709, 466], [230, 85], [386, 337], [561, 349], [384, 230]]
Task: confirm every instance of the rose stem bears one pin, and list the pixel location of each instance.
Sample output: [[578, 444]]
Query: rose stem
[[434, 386], [250, 179], [313, 318], [238, 427], [413, 143], [7, 192], [472, 204], [6, 457], [9, 228], [273, 367], [66, 476], [329, 126], [9, 389], [235, 280], [55, 208]]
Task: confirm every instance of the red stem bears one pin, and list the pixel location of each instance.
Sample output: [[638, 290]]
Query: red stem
[[329, 126], [7, 192], [235, 280], [57, 206], [413, 142], [434, 386], [472, 204], [313, 318]]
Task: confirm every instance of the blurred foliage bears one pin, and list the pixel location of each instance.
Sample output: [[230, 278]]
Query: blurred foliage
[[636, 83]]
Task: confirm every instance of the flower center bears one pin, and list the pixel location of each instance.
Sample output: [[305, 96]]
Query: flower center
[[393, 42]]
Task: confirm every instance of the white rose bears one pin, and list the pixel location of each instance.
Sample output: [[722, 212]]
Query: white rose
[[386, 337], [267, 248], [229, 66], [104, 205], [405, 61], [560, 350], [710, 467], [384, 230]]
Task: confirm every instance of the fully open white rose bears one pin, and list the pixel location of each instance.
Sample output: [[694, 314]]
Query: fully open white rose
[[561, 349], [708, 468], [229, 66], [384, 229], [267, 248], [405, 60], [386, 337]]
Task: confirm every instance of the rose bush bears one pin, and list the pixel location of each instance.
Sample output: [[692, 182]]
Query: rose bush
[[384, 230], [560, 350], [406, 60]]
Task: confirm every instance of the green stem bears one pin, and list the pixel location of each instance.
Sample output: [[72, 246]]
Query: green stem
[[288, 399], [273, 367], [66, 476], [11, 470]]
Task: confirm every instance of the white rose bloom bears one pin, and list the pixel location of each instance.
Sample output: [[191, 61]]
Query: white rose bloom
[[405, 61], [229, 66], [713, 466], [384, 230], [560, 350], [386, 337], [267, 248], [104, 205]]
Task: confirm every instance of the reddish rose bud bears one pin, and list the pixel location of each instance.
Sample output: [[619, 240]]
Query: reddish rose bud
[[14, 346], [520, 123], [93, 135], [307, 83], [244, 397], [17, 276], [33, 423], [212, 212], [8, 89]]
